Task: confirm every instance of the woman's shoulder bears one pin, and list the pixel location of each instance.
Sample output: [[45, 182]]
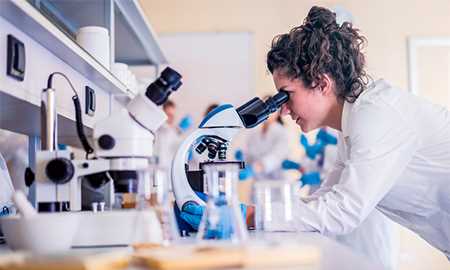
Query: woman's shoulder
[[377, 107], [379, 91]]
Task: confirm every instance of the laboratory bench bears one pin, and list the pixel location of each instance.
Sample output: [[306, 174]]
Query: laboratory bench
[[332, 254]]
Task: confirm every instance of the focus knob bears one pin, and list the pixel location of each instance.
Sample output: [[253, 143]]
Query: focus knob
[[60, 170], [106, 142]]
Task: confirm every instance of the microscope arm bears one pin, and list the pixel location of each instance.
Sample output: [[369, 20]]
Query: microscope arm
[[224, 122], [182, 189]]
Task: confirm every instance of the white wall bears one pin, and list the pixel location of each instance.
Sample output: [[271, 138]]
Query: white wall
[[216, 68]]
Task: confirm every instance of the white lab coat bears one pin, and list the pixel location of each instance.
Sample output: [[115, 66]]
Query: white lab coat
[[270, 149], [167, 140], [376, 237], [394, 155]]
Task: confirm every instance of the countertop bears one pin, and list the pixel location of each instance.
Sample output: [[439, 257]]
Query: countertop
[[333, 254]]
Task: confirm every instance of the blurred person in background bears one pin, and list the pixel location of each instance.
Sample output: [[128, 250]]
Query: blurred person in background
[[169, 136], [266, 146]]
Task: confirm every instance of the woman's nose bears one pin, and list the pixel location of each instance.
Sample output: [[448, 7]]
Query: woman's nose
[[284, 110]]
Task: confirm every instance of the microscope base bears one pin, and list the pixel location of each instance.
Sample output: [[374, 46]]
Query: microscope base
[[117, 228]]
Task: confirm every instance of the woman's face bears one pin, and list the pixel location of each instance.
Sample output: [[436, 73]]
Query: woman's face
[[308, 107]]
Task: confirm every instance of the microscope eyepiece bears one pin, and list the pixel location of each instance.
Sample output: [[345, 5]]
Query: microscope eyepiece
[[160, 90], [256, 111], [172, 78], [275, 102]]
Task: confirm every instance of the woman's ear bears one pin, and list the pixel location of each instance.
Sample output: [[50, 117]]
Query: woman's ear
[[326, 85]]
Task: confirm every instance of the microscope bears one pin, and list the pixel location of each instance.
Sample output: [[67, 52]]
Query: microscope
[[214, 135], [123, 145]]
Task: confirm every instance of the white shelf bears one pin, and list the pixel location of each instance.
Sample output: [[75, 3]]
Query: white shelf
[[147, 51], [35, 25], [133, 40]]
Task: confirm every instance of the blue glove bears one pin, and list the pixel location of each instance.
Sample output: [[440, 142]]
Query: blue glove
[[246, 173], [239, 155], [304, 140], [290, 165], [192, 213], [326, 137], [224, 229], [185, 123], [310, 178], [311, 150], [62, 146]]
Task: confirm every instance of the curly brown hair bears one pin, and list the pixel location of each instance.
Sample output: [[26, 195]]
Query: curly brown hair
[[321, 46]]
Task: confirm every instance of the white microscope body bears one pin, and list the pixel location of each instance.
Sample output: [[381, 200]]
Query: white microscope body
[[123, 144], [223, 123], [127, 146], [215, 133]]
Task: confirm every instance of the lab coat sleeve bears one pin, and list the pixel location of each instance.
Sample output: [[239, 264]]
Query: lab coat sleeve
[[379, 145]]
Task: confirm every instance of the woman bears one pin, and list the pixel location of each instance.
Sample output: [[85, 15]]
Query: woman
[[394, 148]]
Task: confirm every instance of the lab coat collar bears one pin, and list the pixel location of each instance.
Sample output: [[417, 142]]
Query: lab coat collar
[[378, 84], [344, 120]]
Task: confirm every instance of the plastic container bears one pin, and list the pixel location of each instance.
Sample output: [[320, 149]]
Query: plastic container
[[275, 206], [95, 40]]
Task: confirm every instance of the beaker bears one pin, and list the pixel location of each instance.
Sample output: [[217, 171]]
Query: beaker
[[153, 196], [222, 218], [274, 205], [162, 201]]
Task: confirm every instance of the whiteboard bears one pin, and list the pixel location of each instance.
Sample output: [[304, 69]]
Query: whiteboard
[[216, 68]]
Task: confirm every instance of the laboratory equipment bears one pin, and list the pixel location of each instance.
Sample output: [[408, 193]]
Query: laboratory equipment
[[123, 145], [274, 205], [146, 230], [222, 218], [154, 194], [41, 233], [214, 134], [95, 40]]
